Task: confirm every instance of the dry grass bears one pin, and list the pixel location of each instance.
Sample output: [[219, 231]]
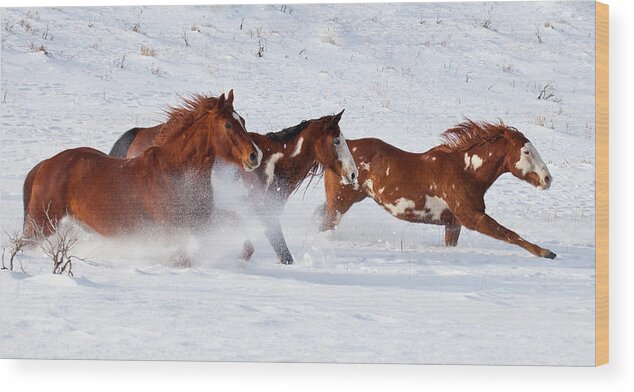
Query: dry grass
[[147, 51]]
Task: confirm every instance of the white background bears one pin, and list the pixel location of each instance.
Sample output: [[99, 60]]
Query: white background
[[73, 375]]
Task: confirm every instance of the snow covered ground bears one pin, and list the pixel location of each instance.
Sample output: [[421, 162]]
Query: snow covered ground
[[375, 290]]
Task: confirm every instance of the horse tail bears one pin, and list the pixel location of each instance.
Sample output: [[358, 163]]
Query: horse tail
[[121, 146]]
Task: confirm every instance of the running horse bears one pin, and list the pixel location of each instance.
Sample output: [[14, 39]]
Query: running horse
[[168, 185], [289, 157], [443, 186]]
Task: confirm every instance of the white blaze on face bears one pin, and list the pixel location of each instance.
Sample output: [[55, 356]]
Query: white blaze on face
[[350, 172], [298, 147], [531, 162], [239, 120], [269, 170]]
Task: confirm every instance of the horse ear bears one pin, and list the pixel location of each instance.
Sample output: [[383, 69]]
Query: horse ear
[[221, 102], [230, 98], [335, 120]]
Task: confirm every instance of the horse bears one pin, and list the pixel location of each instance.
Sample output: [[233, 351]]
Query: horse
[[169, 185], [444, 185], [289, 157]]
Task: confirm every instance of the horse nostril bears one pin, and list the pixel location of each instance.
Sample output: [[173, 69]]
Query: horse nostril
[[353, 176], [253, 157], [547, 179]]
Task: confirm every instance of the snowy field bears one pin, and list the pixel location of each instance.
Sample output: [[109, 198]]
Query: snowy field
[[375, 290]]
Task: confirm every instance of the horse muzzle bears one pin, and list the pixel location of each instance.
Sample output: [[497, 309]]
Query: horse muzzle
[[350, 179], [545, 182], [253, 162]]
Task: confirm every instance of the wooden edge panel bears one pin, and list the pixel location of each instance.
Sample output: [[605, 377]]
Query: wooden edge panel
[[602, 348]]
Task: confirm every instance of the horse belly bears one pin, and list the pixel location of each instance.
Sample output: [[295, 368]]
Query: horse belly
[[421, 209]]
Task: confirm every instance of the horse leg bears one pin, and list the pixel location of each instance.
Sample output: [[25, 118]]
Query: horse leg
[[275, 235], [483, 223], [339, 199], [452, 232]]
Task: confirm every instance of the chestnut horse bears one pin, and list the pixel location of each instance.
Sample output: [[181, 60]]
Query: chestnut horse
[[445, 185], [289, 156], [167, 185]]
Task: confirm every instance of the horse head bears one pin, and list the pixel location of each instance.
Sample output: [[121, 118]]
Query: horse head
[[524, 162], [332, 150], [230, 139]]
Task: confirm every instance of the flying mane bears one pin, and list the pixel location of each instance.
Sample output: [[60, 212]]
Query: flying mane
[[471, 133], [288, 133], [181, 118]]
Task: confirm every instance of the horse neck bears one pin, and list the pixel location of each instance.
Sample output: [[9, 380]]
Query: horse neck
[[493, 161], [191, 149], [296, 161]]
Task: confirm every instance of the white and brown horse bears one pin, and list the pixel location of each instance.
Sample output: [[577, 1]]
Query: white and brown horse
[[443, 186]]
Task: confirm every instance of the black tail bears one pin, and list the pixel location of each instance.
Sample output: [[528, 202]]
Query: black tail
[[121, 146]]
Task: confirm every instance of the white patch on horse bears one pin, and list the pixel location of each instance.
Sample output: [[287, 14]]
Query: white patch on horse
[[401, 206], [269, 170], [433, 158], [473, 161], [387, 172], [298, 147], [354, 149], [365, 166], [476, 162], [381, 190], [368, 187], [434, 206]]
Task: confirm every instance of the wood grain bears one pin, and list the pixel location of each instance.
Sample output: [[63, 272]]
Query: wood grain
[[602, 187]]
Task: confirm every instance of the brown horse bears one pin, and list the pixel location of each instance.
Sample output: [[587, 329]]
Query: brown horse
[[167, 185], [289, 156], [443, 186]]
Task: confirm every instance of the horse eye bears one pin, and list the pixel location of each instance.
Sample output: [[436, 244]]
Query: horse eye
[[337, 141], [526, 152], [228, 125]]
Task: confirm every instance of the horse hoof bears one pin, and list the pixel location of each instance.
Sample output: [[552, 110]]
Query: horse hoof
[[247, 251], [550, 255]]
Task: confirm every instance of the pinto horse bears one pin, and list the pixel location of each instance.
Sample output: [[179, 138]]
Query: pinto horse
[[443, 186], [167, 185], [289, 157]]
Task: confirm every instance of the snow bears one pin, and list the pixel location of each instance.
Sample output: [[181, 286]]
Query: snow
[[375, 290]]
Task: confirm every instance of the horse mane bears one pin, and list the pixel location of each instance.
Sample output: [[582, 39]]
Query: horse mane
[[288, 133], [471, 133], [181, 118]]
